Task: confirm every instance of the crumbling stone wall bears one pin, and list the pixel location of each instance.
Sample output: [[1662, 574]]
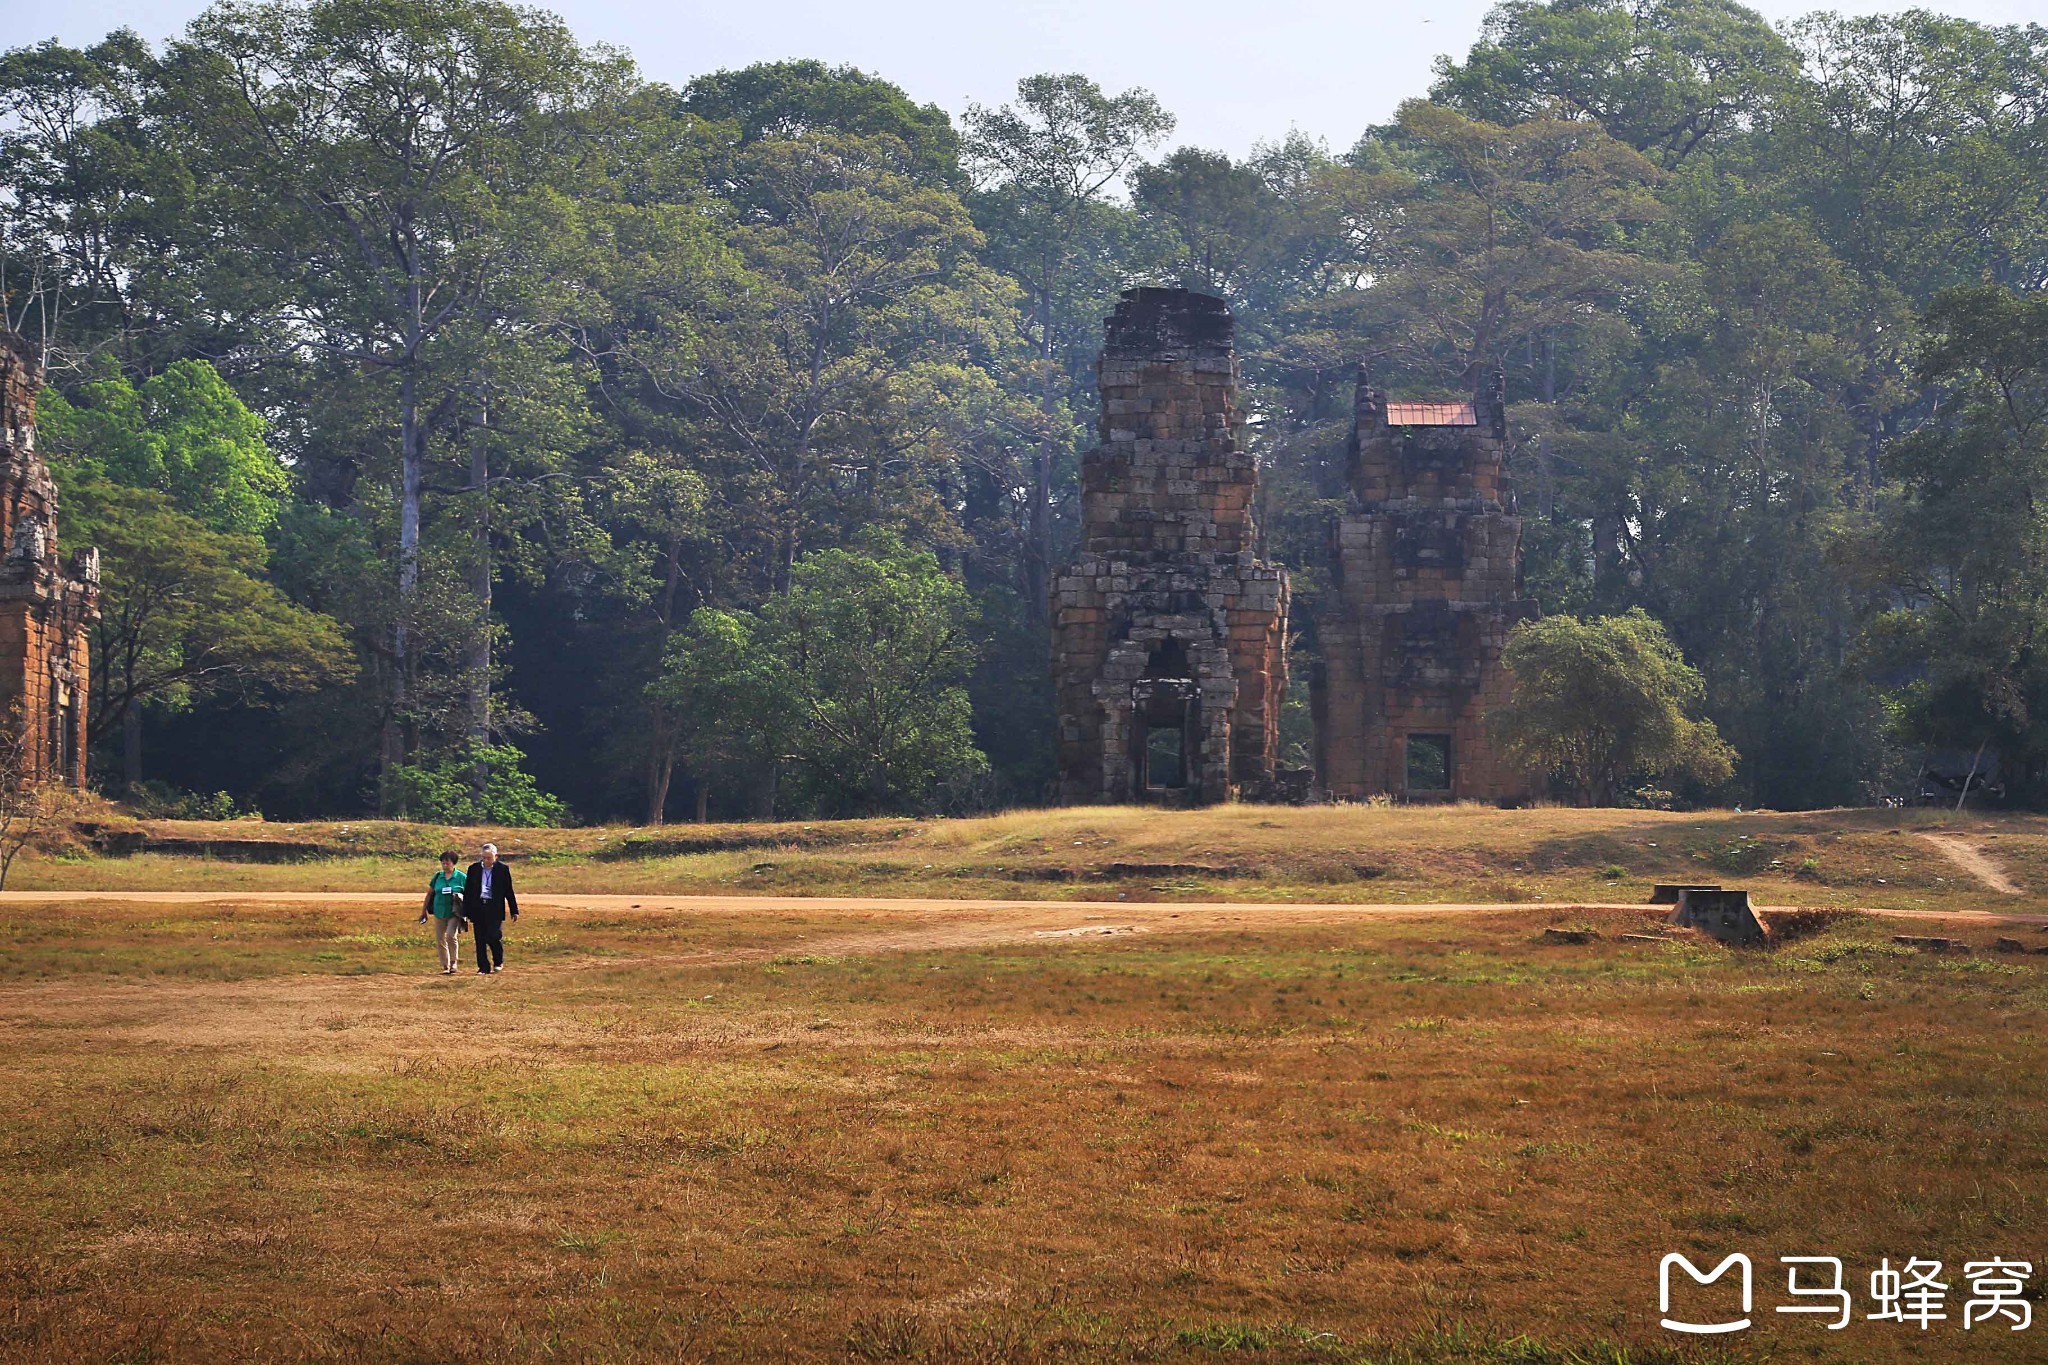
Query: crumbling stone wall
[[1426, 584], [1168, 630], [46, 605]]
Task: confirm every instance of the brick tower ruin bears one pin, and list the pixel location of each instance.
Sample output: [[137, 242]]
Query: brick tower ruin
[[1427, 578], [46, 606], [1169, 634]]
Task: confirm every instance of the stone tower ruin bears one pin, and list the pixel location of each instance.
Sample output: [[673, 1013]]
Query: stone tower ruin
[[1169, 633], [46, 605], [1427, 578]]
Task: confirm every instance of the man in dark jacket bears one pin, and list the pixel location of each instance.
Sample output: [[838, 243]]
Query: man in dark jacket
[[486, 899]]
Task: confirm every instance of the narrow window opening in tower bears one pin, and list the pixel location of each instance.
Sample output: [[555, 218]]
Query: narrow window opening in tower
[[1170, 660], [1429, 763]]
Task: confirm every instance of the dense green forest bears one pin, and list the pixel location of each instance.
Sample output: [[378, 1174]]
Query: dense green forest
[[473, 427]]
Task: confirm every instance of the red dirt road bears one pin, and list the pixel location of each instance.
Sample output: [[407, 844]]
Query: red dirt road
[[1019, 914]]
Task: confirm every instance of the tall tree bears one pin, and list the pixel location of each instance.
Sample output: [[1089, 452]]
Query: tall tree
[[1732, 544], [656, 514], [1222, 216], [1965, 545], [372, 169], [1510, 232], [90, 195], [837, 369], [1667, 77], [790, 101], [803, 353], [1047, 167], [183, 432], [1915, 143]]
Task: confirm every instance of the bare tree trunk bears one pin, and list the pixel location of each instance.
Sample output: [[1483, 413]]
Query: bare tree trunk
[[786, 538], [703, 802], [661, 770], [1610, 565], [479, 668], [1965, 794], [1038, 556], [662, 724], [1038, 561], [412, 462], [661, 762], [391, 741]]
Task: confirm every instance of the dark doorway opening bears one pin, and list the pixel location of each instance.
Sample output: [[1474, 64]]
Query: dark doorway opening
[[1429, 764], [1165, 765], [67, 739], [1166, 711]]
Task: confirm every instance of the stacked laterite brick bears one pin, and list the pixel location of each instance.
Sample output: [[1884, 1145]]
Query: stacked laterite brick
[[1168, 618], [46, 606], [1428, 570]]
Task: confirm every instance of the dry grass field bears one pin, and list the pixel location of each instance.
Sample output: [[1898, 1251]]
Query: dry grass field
[[252, 1124], [1895, 859]]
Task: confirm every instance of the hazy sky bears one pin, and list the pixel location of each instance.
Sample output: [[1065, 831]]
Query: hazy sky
[[1233, 71]]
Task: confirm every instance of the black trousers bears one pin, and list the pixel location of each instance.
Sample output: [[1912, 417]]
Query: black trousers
[[490, 942]]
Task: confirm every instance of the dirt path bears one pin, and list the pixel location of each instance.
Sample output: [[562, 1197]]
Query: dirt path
[[555, 900], [1975, 861], [1024, 915]]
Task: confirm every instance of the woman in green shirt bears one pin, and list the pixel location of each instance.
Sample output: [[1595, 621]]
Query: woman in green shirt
[[444, 907]]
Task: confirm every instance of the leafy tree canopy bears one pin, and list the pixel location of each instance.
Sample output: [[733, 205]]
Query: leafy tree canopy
[[1509, 231], [185, 611], [855, 677], [441, 789], [1599, 702], [790, 101], [1664, 77], [183, 432]]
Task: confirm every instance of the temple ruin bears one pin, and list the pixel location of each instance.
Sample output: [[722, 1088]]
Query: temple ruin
[[1169, 633], [1426, 582], [46, 605]]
